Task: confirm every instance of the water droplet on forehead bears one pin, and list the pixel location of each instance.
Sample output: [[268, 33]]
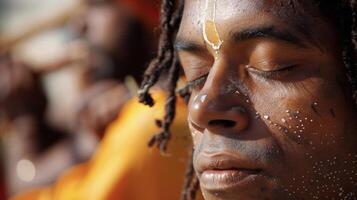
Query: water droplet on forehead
[[266, 117]]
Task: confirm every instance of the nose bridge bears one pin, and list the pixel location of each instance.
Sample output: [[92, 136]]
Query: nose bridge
[[219, 79], [218, 104], [210, 98]]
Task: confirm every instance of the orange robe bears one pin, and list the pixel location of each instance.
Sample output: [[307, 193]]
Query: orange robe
[[124, 168]]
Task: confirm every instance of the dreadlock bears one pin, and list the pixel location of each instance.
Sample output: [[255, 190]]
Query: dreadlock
[[191, 184], [167, 60]]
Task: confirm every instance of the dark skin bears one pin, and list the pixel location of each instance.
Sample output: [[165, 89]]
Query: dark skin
[[271, 113]]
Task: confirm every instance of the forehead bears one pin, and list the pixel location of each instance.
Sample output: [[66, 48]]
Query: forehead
[[240, 14]]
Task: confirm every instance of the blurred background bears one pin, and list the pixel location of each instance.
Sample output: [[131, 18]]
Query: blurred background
[[66, 69]]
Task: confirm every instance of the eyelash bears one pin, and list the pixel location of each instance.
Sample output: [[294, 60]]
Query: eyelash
[[274, 74], [194, 84]]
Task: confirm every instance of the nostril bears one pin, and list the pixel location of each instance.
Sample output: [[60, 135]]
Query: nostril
[[222, 122]]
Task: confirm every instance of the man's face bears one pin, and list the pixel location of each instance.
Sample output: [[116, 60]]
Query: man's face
[[271, 112]]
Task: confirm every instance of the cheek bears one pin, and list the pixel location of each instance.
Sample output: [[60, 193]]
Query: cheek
[[308, 113]]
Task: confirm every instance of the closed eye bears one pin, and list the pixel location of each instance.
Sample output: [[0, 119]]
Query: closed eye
[[279, 73], [198, 82]]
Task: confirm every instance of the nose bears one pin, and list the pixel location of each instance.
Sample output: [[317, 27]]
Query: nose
[[217, 109]]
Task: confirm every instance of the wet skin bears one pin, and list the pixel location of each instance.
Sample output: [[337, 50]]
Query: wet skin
[[271, 113]]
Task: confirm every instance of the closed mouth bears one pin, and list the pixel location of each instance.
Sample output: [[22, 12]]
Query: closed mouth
[[226, 179], [222, 172]]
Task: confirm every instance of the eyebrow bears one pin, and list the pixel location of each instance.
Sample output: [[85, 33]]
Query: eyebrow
[[181, 44], [267, 32]]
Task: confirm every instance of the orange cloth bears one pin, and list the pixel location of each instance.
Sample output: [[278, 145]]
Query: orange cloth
[[124, 168]]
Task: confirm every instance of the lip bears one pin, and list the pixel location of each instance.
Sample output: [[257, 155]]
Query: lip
[[222, 172]]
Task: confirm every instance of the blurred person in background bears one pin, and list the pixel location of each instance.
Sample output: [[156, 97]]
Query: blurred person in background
[[123, 167], [24, 130], [111, 47], [122, 163], [68, 103]]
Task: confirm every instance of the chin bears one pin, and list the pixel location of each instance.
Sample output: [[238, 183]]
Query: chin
[[234, 195], [253, 187]]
